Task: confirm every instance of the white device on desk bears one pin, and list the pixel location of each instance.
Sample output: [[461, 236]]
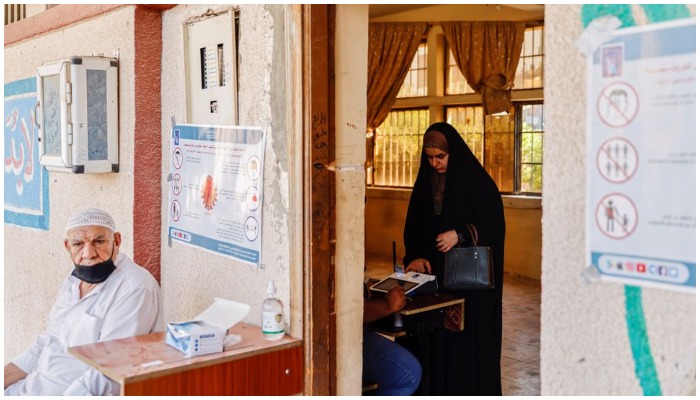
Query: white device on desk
[[410, 281]]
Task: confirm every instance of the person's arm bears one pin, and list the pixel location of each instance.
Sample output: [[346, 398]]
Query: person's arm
[[93, 383], [13, 374], [26, 361], [377, 308]]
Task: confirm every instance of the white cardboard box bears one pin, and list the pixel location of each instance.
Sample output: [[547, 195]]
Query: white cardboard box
[[206, 332]]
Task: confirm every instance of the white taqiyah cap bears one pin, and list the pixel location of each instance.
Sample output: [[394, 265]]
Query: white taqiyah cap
[[91, 217]]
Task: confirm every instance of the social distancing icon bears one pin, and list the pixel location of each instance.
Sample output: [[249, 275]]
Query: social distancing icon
[[617, 160], [616, 216], [177, 184]]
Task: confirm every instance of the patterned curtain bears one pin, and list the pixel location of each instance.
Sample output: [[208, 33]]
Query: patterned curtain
[[391, 50], [487, 53]]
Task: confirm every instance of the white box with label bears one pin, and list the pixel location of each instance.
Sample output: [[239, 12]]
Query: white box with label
[[205, 333]]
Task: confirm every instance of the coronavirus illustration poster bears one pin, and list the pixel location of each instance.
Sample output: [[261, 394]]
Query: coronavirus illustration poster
[[215, 189]]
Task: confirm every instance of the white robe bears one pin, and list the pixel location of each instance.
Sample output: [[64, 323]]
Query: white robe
[[127, 304]]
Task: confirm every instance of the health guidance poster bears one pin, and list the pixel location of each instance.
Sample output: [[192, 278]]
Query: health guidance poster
[[641, 156], [215, 196]]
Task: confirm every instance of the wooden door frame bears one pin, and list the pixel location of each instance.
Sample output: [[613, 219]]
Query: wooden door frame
[[318, 137]]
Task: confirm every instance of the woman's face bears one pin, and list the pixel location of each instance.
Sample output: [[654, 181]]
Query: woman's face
[[437, 159]]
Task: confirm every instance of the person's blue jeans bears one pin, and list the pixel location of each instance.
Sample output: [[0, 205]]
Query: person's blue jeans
[[396, 371]]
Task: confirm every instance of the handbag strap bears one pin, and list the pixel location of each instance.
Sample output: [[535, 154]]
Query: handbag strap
[[473, 233]]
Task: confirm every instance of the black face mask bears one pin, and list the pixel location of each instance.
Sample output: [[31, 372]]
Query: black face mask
[[95, 273]]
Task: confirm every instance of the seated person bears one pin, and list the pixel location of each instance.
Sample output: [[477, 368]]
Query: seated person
[[106, 297], [395, 370]]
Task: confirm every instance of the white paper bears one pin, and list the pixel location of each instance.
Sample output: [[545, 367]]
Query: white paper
[[223, 313]]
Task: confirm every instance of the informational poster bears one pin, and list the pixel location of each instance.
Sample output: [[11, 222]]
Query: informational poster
[[640, 207], [216, 181], [26, 182]]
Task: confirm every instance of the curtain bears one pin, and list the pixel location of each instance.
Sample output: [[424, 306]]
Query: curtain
[[391, 50], [487, 53]]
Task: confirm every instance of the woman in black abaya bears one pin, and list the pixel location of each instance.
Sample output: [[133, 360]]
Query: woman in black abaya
[[452, 190]]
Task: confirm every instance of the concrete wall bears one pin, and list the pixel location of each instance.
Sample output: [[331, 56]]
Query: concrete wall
[[585, 339], [350, 123], [386, 215], [192, 277], [35, 260]]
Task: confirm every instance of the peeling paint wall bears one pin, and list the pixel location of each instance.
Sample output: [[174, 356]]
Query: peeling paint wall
[[592, 332], [35, 261], [192, 277]]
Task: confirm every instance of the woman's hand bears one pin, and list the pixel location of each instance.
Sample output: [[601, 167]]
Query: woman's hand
[[420, 265], [446, 240]]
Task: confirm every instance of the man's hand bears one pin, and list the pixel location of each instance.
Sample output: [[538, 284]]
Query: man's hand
[[396, 298], [13, 374], [382, 306], [446, 240], [420, 265]]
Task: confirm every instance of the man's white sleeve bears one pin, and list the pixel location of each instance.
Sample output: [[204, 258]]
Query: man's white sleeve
[[93, 383], [28, 359]]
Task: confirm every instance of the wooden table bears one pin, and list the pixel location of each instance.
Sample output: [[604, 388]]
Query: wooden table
[[146, 365], [422, 314]]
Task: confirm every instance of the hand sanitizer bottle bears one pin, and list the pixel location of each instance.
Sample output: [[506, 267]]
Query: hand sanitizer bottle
[[272, 315]]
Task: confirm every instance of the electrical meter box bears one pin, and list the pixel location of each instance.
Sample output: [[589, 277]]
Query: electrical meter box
[[210, 69], [78, 114]]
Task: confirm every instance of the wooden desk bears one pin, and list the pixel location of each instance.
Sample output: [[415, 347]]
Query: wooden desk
[[421, 315], [254, 366]]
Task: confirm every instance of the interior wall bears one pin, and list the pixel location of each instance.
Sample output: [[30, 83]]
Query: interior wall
[[192, 277], [386, 215], [35, 261], [588, 334]]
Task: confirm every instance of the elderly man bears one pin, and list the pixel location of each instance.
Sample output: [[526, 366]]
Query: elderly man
[[106, 297]]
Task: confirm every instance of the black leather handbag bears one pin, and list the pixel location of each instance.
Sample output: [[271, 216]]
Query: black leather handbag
[[469, 268]]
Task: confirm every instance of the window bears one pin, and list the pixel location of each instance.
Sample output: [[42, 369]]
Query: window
[[532, 133], [469, 123], [530, 72], [15, 12], [416, 82], [508, 146], [456, 82], [397, 147]]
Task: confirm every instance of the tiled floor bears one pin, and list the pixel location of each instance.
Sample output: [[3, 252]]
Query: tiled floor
[[520, 360], [520, 354]]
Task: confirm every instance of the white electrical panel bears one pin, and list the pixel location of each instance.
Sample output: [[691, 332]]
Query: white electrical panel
[[78, 115], [210, 69]]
